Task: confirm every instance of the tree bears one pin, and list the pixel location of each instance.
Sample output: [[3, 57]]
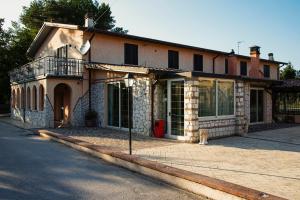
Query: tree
[[68, 12], [288, 72]]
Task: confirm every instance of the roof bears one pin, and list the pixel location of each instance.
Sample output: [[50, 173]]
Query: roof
[[292, 84], [47, 27], [163, 73]]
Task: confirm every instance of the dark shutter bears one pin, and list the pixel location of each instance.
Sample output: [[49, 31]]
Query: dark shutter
[[198, 62], [131, 54], [243, 68], [226, 66], [173, 60], [266, 71]]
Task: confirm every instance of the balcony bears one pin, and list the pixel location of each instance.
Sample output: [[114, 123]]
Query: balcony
[[48, 66]]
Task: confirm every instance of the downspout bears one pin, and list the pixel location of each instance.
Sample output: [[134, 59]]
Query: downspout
[[152, 103], [90, 73], [214, 58]]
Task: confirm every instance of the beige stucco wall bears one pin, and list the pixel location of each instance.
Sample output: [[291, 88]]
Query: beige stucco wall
[[60, 37], [110, 49]]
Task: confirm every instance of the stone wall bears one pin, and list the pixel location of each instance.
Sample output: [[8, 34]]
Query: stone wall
[[98, 100], [191, 122], [268, 118], [141, 110], [219, 128]]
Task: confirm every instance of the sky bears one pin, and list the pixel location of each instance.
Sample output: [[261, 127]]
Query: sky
[[274, 25]]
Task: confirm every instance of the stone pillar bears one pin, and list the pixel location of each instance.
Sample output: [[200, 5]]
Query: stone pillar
[[191, 121], [242, 103]]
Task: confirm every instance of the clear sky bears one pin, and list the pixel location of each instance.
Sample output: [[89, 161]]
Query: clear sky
[[215, 24]]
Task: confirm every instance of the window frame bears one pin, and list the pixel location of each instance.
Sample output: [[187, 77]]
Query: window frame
[[216, 116], [269, 71], [242, 66], [172, 52], [131, 60], [194, 62]]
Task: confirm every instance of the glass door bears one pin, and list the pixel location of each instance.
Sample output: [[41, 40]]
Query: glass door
[[256, 105], [176, 108]]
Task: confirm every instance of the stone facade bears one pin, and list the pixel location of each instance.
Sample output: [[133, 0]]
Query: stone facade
[[98, 102], [141, 106], [191, 122]]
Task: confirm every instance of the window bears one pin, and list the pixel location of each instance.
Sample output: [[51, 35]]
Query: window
[[225, 98], [118, 105], [226, 66], [216, 98], [41, 98], [131, 54], [207, 98], [243, 68], [198, 62], [173, 60], [28, 101], [62, 52], [34, 98], [266, 71]]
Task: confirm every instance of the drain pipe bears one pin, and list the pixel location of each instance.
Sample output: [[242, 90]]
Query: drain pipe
[[152, 103], [90, 73]]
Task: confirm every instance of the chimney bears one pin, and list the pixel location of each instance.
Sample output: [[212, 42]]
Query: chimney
[[255, 71], [88, 20], [271, 56]]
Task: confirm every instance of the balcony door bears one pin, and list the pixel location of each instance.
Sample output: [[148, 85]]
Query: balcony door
[[256, 105], [176, 108]]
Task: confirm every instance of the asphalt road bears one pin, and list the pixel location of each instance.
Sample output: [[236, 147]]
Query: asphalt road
[[35, 168]]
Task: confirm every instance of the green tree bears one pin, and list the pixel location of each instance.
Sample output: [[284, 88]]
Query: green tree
[[69, 12], [288, 72]]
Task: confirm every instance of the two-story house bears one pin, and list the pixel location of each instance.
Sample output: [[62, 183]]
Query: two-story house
[[80, 68]]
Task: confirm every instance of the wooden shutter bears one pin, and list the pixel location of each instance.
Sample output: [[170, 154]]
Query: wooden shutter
[[243, 68], [226, 66], [173, 60], [266, 71], [198, 62], [131, 54]]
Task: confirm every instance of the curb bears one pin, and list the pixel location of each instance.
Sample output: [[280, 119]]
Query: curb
[[189, 181]]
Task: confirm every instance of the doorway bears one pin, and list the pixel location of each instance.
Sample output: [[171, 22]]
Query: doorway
[[62, 105], [256, 105], [176, 108]]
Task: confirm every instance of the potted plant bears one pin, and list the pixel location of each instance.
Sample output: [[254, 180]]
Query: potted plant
[[91, 118]]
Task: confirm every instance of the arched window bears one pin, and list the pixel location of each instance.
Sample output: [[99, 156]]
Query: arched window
[[18, 98], [34, 98], [28, 102], [22, 98], [13, 99], [41, 98]]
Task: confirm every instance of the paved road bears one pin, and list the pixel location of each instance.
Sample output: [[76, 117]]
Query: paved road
[[35, 168]]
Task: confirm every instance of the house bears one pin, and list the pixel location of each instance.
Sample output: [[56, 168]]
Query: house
[[79, 68]]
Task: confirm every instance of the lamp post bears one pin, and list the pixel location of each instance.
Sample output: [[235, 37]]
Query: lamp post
[[129, 79]]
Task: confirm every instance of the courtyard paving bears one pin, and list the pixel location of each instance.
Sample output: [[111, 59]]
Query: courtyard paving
[[268, 161]]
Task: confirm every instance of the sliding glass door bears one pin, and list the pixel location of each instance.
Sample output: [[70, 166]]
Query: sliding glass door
[[118, 105], [256, 105]]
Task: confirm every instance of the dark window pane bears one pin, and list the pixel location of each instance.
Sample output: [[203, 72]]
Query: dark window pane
[[225, 98], [113, 104], [266, 71], [131, 54], [243, 68], [226, 66], [198, 62], [173, 60]]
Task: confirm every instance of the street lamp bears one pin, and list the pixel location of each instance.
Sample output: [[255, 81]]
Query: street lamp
[[129, 80]]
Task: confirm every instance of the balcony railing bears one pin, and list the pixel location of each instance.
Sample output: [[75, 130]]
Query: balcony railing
[[48, 66]]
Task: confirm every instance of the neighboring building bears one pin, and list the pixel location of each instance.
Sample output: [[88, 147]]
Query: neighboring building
[[189, 87]]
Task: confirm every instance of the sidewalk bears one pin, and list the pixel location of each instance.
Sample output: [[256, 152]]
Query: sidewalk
[[271, 166]]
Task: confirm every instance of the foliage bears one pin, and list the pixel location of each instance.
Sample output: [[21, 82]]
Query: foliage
[[15, 41], [288, 72]]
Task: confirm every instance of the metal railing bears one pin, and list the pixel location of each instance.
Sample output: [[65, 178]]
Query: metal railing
[[46, 66]]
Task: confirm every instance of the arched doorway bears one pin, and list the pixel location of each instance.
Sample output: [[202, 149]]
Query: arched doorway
[[62, 105]]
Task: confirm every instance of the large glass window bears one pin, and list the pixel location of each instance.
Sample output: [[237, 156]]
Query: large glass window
[[225, 98], [118, 105], [216, 98], [207, 98]]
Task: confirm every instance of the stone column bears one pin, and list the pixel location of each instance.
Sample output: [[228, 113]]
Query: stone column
[[191, 121], [241, 98]]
